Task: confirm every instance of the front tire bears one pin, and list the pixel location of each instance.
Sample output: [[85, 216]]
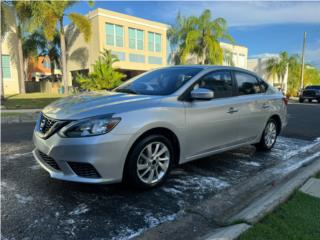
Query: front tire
[[301, 100], [150, 162], [269, 136]]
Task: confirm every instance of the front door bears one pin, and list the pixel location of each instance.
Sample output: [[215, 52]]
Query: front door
[[212, 124]]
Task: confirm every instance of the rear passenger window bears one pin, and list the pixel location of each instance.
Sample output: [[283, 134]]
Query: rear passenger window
[[247, 83], [263, 86], [220, 82]]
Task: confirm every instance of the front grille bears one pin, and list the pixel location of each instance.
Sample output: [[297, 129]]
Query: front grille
[[48, 160], [46, 124], [84, 170]]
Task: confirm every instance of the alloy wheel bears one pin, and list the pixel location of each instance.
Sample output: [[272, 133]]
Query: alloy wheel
[[153, 162], [270, 134]]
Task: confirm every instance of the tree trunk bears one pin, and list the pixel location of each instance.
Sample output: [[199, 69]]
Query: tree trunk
[[53, 76], [21, 67], [63, 58], [1, 77]]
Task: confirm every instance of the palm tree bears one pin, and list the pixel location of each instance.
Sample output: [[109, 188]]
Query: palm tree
[[228, 57], [54, 54], [175, 35], [283, 66], [49, 14], [31, 44], [272, 68], [21, 20], [200, 36], [23, 15], [4, 29], [52, 50], [278, 67]]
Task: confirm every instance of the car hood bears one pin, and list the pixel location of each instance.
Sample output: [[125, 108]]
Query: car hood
[[96, 103]]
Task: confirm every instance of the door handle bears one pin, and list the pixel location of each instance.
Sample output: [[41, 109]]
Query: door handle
[[265, 106], [232, 110]]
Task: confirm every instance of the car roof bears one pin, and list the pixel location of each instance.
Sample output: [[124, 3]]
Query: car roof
[[213, 67]]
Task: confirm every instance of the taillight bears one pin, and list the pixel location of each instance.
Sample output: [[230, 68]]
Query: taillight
[[285, 100]]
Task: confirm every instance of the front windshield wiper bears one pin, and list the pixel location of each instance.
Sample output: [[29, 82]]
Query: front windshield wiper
[[126, 90]]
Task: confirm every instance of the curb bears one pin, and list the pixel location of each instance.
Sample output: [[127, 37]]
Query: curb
[[216, 213], [267, 203], [264, 205], [228, 233], [33, 110]]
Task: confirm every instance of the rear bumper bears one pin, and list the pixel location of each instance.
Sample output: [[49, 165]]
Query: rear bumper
[[105, 154]]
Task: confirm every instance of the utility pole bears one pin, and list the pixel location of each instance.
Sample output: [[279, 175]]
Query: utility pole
[[302, 58]]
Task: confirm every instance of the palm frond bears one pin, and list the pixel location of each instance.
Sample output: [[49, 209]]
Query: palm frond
[[83, 24], [5, 14]]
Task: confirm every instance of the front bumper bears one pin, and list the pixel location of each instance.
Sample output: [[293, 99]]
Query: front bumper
[[105, 154]]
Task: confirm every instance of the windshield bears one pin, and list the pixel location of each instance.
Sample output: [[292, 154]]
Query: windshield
[[159, 82], [313, 87]]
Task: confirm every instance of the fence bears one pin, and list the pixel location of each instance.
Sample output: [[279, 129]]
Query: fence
[[42, 86]]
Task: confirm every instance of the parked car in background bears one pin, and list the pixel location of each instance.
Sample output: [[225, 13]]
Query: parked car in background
[[310, 93], [159, 119]]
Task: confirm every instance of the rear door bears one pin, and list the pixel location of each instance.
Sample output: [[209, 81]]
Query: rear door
[[253, 105], [212, 124]]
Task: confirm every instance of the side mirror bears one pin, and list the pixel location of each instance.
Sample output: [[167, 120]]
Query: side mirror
[[202, 94]]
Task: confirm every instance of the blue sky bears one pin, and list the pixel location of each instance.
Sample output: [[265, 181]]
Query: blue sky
[[266, 28]]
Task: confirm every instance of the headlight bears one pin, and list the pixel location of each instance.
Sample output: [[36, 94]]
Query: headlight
[[91, 127]]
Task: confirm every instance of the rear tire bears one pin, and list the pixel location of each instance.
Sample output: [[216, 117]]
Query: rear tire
[[269, 136], [310, 100], [301, 100], [145, 168]]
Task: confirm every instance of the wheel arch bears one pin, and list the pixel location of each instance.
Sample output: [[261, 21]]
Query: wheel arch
[[277, 119], [160, 131]]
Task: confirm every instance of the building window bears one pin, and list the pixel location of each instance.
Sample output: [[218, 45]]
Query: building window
[[154, 42], [139, 58], [135, 39], [6, 70], [154, 60], [114, 35], [120, 55]]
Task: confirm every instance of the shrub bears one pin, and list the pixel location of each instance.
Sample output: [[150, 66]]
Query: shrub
[[103, 76]]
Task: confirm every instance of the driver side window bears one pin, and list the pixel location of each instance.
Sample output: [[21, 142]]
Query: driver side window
[[220, 82]]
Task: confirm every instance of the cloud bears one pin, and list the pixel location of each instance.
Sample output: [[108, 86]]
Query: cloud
[[264, 55], [313, 56], [246, 13]]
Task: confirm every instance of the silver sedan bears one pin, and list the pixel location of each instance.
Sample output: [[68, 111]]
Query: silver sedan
[[154, 121]]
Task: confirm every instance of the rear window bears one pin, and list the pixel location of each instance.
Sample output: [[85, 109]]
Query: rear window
[[247, 83], [263, 85], [313, 87]]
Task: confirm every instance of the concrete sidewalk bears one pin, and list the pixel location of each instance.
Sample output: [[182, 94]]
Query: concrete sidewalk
[[21, 110], [312, 187], [19, 115], [267, 203]]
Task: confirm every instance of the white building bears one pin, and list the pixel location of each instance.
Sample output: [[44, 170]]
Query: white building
[[259, 65], [234, 55]]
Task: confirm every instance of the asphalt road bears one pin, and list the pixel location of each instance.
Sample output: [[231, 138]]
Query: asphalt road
[[37, 207], [303, 121]]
